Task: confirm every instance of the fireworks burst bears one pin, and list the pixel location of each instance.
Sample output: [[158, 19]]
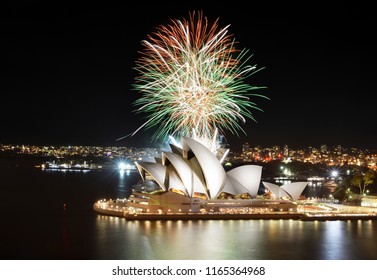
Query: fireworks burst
[[193, 80]]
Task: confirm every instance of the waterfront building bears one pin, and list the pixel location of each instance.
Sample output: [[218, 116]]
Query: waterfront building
[[191, 179]]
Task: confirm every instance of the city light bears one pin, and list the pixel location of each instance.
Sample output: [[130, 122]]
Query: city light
[[334, 173], [122, 166]]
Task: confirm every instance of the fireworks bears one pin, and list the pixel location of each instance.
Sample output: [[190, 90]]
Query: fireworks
[[193, 80]]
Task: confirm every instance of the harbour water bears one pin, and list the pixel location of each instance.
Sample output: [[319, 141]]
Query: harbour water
[[49, 215]]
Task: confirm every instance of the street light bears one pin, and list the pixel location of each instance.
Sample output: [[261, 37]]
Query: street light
[[334, 174]]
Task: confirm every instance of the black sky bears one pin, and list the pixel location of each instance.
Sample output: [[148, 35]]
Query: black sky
[[67, 70]]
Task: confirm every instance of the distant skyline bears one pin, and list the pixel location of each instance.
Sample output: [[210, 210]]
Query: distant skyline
[[67, 70]]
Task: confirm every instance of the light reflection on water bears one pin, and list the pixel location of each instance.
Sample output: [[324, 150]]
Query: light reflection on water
[[234, 240]]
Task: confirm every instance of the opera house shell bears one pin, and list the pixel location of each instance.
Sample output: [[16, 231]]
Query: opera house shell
[[290, 190], [192, 179]]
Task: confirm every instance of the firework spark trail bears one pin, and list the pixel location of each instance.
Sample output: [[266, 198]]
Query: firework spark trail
[[193, 80]]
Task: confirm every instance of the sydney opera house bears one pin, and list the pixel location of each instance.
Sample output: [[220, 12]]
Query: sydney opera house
[[191, 179]]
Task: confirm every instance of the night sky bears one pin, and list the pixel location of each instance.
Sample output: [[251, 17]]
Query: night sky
[[67, 70]]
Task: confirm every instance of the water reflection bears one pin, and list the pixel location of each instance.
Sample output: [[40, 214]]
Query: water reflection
[[333, 243], [124, 186], [254, 239]]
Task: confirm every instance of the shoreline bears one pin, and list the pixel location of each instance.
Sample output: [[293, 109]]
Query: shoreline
[[246, 216]]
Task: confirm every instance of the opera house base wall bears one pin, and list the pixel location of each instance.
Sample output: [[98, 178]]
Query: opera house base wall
[[251, 206], [218, 216], [163, 202], [222, 210], [170, 202], [213, 216]]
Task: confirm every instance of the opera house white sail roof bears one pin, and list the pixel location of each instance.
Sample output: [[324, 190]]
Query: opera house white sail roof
[[193, 170], [290, 190]]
